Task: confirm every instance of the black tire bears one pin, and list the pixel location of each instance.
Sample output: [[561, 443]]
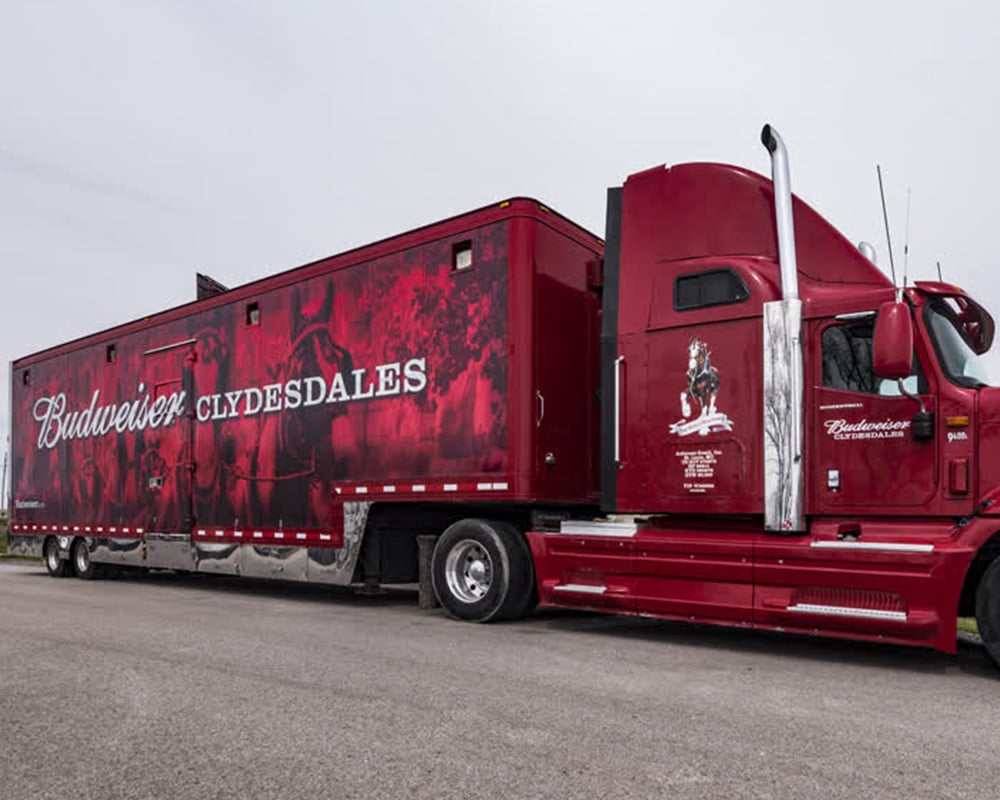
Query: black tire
[[57, 567], [82, 565], [482, 571], [988, 609]]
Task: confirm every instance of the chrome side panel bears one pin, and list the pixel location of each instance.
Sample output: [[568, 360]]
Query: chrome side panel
[[277, 563], [124, 552], [326, 565], [24, 545], [170, 551], [218, 559], [784, 389]]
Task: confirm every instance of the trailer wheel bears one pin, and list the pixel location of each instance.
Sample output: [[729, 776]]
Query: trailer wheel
[[482, 571], [988, 609], [84, 567], [57, 567]]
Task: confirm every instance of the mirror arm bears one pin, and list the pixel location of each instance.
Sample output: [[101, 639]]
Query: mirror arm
[[902, 391]]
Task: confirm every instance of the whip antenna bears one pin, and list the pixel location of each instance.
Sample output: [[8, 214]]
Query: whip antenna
[[885, 218], [906, 241], [940, 279]]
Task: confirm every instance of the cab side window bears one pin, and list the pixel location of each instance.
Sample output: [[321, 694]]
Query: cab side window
[[847, 362]]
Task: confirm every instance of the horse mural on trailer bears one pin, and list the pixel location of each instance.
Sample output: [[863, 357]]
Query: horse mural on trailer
[[703, 385]]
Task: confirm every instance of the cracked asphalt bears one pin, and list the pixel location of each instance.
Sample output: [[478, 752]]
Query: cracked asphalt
[[168, 686]]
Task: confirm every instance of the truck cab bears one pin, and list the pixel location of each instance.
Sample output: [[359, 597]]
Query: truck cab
[[789, 441]]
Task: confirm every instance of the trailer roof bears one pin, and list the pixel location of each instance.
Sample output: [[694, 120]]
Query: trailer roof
[[451, 226]]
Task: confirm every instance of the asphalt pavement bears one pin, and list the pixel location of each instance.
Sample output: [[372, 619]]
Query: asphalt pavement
[[168, 686]]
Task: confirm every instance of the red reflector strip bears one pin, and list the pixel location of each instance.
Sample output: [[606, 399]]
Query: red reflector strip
[[314, 538], [45, 527], [451, 487]]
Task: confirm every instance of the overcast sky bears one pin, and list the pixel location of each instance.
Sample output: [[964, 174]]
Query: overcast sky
[[142, 140]]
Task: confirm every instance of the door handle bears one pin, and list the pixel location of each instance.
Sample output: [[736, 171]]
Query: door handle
[[541, 409], [618, 409]]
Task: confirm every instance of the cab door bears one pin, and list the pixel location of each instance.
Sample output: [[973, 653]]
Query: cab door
[[867, 459]]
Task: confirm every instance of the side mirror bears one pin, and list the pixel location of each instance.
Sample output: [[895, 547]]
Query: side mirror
[[892, 343]]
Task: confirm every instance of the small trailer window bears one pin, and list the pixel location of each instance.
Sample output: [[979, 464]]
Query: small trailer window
[[253, 314], [713, 288], [461, 255]]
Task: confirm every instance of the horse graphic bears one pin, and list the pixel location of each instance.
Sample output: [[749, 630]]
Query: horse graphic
[[703, 380]]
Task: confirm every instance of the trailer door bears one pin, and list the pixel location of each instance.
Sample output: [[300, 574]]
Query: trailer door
[[164, 452]]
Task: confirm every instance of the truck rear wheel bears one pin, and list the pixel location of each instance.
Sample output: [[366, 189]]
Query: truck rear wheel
[[482, 571], [988, 609], [57, 567], [84, 567]]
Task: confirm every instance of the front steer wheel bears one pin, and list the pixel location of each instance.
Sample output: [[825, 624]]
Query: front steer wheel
[[57, 567], [988, 609], [482, 571]]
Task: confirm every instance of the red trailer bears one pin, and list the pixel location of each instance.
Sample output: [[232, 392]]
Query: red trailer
[[728, 415]]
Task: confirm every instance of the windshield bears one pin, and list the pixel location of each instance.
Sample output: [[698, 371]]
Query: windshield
[[960, 361]]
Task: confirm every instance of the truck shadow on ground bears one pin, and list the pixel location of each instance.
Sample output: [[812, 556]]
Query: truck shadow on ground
[[971, 658]]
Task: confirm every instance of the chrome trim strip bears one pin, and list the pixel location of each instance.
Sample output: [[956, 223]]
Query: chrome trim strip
[[855, 315], [888, 547], [844, 611], [598, 528], [172, 346], [580, 588]]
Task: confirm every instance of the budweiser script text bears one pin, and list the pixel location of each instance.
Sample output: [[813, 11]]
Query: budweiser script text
[[841, 429], [58, 423]]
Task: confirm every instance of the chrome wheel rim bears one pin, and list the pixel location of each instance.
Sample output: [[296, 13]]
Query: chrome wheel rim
[[468, 571], [52, 556], [82, 557]]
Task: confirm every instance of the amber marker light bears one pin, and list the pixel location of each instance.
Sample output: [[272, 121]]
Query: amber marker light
[[956, 422]]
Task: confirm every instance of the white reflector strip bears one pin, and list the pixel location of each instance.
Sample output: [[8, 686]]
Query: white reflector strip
[[300, 536], [841, 611], [888, 547], [388, 489], [581, 588], [238, 534], [500, 486], [258, 535], [361, 490], [451, 487], [219, 534], [324, 537], [419, 487], [279, 535], [484, 487]]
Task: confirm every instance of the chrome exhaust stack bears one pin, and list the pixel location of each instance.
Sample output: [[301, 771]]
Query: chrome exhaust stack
[[783, 212], [784, 384]]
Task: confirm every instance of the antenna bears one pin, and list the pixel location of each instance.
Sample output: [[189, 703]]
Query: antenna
[[885, 218], [940, 279], [906, 241]]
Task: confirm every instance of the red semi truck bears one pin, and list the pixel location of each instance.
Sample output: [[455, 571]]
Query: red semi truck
[[726, 413]]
